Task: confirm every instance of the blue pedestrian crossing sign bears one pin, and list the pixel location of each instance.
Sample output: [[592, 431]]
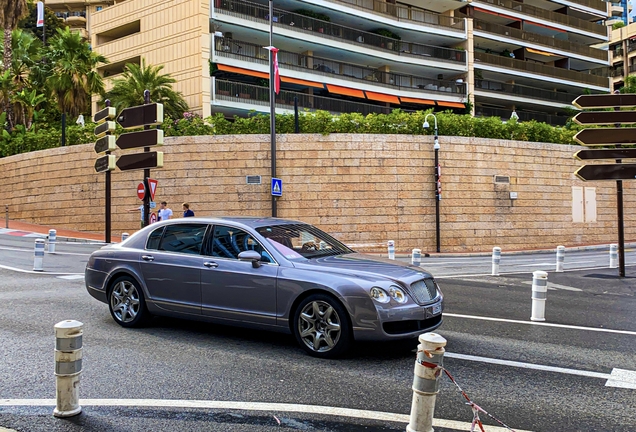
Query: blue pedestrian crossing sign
[[277, 187]]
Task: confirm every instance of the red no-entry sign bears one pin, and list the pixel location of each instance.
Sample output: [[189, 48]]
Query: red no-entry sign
[[141, 191]]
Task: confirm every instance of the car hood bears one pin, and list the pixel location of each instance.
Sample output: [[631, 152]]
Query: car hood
[[368, 266]]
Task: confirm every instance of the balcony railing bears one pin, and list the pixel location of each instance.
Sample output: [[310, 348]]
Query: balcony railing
[[631, 47], [281, 18], [533, 92], [632, 69], [593, 77], [540, 39], [598, 5], [402, 13], [300, 62], [523, 115], [550, 16], [256, 95], [616, 72]]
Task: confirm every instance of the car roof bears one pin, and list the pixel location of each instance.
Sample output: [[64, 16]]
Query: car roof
[[249, 221]]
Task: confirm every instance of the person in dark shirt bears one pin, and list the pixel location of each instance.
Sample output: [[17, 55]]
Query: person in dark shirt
[[186, 210]]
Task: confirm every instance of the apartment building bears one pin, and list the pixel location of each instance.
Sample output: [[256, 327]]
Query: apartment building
[[620, 11], [622, 49], [526, 59], [76, 14]]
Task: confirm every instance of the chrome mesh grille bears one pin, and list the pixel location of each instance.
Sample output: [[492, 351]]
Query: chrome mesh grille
[[423, 291]]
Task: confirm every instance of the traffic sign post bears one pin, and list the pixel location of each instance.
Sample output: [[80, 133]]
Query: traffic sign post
[[141, 191], [277, 187], [106, 164], [152, 188], [616, 136]]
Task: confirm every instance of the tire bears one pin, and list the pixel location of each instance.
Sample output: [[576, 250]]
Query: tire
[[321, 326], [126, 302]]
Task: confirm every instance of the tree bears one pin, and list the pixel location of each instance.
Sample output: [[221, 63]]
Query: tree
[[74, 78], [129, 90], [11, 12], [629, 86]]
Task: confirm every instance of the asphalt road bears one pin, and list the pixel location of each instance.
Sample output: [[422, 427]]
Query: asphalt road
[[555, 378]]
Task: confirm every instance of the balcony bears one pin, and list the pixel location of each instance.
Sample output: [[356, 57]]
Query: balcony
[[73, 19], [548, 15], [531, 92], [504, 114], [617, 72], [259, 13], [255, 53], [632, 68], [521, 35], [402, 13], [598, 5], [631, 47], [593, 78]]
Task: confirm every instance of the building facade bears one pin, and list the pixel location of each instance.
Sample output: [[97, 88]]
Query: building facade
[[622, 55], [503, 58]]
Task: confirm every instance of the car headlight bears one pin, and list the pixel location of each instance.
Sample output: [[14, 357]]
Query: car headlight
[[379, 295], [397, 294]]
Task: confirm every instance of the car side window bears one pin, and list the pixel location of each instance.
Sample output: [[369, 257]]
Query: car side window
[[153, 239], [229, 242], [183, 238]]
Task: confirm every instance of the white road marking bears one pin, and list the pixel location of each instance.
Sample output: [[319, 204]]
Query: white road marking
[[253, 406], [622, 378], [544, 324], [452, 276], [72, 277], [557, 286], [46, 252], [535, 264], [15, 269]]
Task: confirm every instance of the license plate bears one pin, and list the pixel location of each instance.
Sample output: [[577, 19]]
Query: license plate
[[437, 309]]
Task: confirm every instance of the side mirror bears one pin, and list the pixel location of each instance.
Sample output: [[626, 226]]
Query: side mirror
[[250, 255]]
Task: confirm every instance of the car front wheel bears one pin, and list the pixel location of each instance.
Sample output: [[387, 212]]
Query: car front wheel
[[126, 302], [321, 326]]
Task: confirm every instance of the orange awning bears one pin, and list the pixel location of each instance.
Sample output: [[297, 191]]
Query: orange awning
[[417, 101], [545, 26], [530, 50], [226, 68], [450, 104], [381, 97], [302, 82], [345, 91]]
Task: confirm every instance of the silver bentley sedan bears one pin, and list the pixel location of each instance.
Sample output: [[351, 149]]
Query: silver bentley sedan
[[264, 273]]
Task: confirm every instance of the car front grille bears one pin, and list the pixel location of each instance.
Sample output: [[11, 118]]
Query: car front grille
[[423, 291]]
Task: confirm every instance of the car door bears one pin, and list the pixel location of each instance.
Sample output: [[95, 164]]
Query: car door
[[171, 266], [235, 290]]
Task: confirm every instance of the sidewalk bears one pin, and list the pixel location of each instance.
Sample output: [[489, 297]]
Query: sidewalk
[[62, 234]]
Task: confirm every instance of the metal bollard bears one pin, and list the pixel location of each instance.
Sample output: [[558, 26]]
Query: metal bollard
[[416, 257], [391, 248], [560, 258], [613, 256], [124, 236], [496, 259], [38, 255], [52, 240], [68, 367], [428, 369], [539, 295]]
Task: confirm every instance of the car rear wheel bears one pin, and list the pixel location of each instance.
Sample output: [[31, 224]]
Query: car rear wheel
[[126, 302], [321, 326]]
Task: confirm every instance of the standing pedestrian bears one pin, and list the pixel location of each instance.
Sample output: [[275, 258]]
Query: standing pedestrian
[[164, 212], [186, 210], [140, 208]]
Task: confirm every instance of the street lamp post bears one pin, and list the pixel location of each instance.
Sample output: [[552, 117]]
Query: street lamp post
[[438, 185]]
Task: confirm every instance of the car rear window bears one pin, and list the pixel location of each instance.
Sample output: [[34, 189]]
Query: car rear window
[[183, 238]]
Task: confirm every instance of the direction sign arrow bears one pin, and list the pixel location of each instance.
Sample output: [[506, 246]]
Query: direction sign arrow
[[105, 143], [101, 130], [142, 115], [607, 172], [108, 113], [605, 101], [140, 161], [146, 138], [606, 154], [105, 163], [606, 136], [605, 117]]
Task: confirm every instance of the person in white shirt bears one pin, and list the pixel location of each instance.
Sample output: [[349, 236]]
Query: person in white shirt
[[164, 212]]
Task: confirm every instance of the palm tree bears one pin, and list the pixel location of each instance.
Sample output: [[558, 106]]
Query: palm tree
[[129, 90], [11, 12], [74, 78]]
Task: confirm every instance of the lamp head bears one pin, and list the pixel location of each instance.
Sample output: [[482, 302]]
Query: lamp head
[[426, 125]]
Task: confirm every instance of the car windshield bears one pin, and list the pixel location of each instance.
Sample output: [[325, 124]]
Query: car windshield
[[301, 241]]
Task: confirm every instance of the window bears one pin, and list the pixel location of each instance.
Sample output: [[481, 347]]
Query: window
[[183, 238], [298, 242], [229, 242], [153, 239]]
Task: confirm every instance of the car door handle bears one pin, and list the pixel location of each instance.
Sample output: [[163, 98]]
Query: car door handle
[[210, 264], [147, 258]]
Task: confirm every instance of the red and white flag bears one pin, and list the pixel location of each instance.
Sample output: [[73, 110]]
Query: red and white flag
[[274, 51], [40, 20]]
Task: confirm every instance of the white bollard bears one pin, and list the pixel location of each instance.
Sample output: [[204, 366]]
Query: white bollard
[[416, 257], [428, 368], [68, 367], [52, 240], [124, 236], [613, 256], [38, 255], [391, 248], [560, 258], [539, 295], [496, 259]]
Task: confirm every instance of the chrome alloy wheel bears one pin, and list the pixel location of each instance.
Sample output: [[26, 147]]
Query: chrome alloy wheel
[[124, 301], [319, 326]]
